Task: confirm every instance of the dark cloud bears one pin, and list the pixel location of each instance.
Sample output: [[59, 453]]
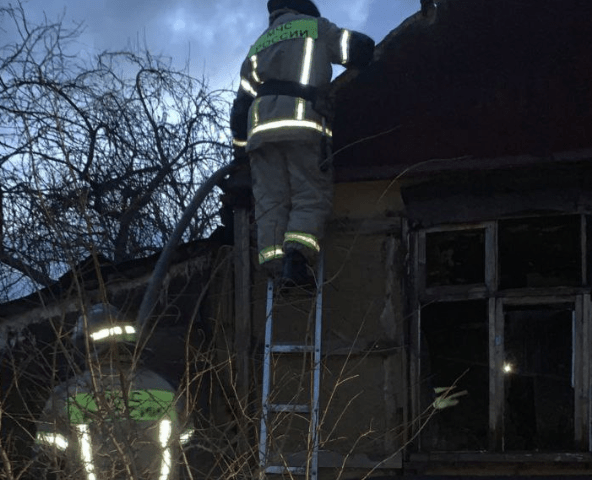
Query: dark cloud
[[213, 35]]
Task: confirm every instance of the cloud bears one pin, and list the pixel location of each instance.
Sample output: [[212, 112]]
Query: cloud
[[213, 35], [217, 36], [347, 13]]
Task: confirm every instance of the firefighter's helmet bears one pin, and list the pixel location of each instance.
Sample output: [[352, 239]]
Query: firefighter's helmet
[[105, 325], [305, 7]]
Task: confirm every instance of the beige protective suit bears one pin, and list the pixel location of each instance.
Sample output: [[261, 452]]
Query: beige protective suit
[[276, 116]]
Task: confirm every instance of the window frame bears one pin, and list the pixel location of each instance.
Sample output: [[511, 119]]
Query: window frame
[[498, 301]]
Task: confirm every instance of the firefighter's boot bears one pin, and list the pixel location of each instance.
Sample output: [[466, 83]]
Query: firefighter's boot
[[296, 272]]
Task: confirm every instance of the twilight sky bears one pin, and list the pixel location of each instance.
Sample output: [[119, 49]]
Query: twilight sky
[[213, 35]]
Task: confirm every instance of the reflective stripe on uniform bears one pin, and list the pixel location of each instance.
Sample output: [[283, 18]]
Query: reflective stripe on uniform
[[164, 436], [52, 439], [254, 67], [270, 253], [86, 450], [186, 436], [345, 36], [124, 332], [300, 108], [255, 112], [239, 143], [278, 124], [305, 239], [247, 87], [305, 70], [307, 61]]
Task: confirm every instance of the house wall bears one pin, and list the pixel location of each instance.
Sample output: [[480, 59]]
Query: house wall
[[377, 384], [364, 263]]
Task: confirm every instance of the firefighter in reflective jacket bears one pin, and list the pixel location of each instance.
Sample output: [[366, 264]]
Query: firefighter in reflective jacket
[[279, 116], [116, 420]]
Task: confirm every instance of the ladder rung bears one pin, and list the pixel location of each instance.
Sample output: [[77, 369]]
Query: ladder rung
[[288, 348], [288, 408], [280, 469]]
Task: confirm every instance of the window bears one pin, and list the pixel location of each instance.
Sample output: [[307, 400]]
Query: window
[[455, 258], [454, 352], [540, 252], [501, 309], [538, 378]]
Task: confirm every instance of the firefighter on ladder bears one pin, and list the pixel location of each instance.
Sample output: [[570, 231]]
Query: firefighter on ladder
[[281, 119], [116, 420]]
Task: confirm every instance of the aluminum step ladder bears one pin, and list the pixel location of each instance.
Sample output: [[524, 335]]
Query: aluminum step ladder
[[269, 467]]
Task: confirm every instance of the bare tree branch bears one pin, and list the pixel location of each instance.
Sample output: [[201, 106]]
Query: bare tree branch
[[99, 156]]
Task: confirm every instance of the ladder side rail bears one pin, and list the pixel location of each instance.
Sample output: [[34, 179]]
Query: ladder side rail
[[315, 414], [266, 378]]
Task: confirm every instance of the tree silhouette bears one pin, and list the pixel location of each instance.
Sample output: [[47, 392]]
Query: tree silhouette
[[99, 156]]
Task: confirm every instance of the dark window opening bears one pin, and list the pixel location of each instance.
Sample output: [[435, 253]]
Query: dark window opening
[[455, 258], [454, 351], [540, 252], [538, 370]]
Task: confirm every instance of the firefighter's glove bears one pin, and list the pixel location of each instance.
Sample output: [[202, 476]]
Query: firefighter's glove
[[445, 398]]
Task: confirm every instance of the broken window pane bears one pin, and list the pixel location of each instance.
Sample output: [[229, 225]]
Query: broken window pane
[[454, 351], [539, 395], [540, 252], [455, 258]]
